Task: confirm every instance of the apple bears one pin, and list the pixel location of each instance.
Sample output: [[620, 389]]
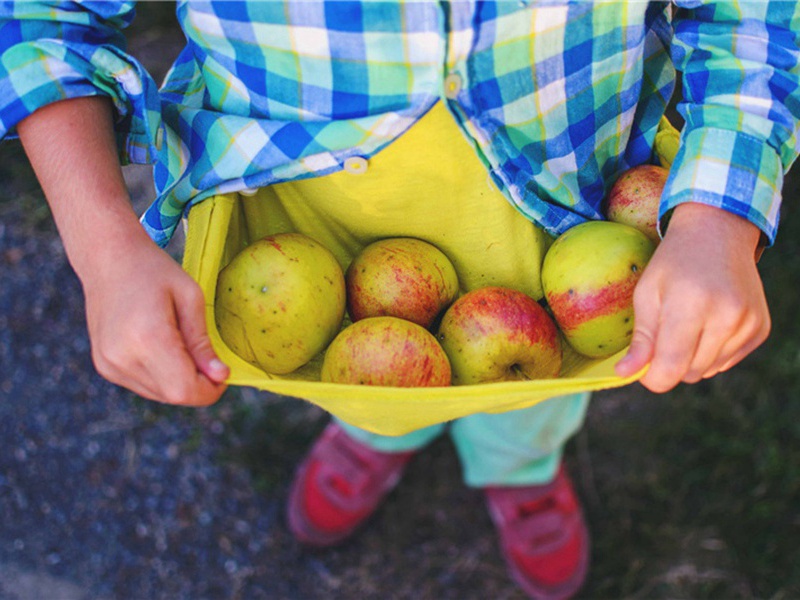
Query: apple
[[280, 301], [498, 334], [635, 197], [588, 277], [400, 277], [386, 351]]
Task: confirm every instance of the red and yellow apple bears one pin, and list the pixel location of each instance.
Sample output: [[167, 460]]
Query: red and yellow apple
[[588, 277], [498, 334], [280, 301], [406, 278], [635, 197], [386, 351]]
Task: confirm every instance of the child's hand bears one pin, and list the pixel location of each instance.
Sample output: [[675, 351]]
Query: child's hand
[[699, 306], [145, 314], [146, 322]]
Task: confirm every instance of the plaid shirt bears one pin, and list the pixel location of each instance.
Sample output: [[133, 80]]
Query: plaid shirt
[[557, 97]]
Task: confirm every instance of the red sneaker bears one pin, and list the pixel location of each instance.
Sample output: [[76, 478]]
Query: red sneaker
[[338, 486], [544, 536]]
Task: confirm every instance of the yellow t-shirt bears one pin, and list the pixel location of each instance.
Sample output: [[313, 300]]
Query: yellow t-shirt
[[427, 184]]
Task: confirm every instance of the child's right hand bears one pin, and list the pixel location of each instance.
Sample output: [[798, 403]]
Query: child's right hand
[[147, 328], [145, 315]]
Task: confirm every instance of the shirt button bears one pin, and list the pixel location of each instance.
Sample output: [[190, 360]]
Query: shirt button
[[356, 165], [159, 138], [249, 192], [452, 85]]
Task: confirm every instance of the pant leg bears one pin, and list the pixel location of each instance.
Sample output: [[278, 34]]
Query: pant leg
[[520, 447], [385, 443]]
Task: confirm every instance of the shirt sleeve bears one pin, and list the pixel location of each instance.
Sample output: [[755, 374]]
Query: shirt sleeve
[[54, 50], [741, 102]]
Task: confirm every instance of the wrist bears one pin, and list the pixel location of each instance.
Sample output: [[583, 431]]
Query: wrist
[[711, 222], [113, 244]]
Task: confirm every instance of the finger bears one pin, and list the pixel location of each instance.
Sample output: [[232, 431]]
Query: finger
[[739, 347], [640, 352], [717, 341], [675, 349], [735, 359], [190, 313], [204, 392], [645, 332], [172, 370], [162, 376], [114, 361], [201, 393], [708, 349], [750, 330], [141, 389], [177, 380]]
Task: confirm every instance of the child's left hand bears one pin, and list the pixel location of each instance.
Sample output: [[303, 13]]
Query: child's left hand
[[700, 306]]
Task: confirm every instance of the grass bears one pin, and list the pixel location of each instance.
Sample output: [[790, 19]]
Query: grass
[[702, 496]]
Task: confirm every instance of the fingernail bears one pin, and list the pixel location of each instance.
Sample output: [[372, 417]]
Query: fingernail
[[621, 366], [216, 366]]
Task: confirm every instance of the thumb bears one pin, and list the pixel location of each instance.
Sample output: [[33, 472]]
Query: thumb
[[190, 311], [639, 354], [642, 347]]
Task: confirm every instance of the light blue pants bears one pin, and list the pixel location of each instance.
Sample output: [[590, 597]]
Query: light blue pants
[[521, 447]]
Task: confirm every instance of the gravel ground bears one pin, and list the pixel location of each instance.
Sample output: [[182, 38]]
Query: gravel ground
[[104, 495]]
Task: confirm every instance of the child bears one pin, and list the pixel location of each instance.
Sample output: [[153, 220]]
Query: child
[[555, 98]]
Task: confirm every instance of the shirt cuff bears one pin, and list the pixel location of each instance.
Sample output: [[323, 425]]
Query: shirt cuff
[[37, 73], [730, 170]]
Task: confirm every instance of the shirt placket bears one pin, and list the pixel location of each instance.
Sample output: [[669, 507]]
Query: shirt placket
[[459, 36]]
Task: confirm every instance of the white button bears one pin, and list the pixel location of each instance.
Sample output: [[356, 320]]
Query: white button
[[159, 138], [249, 192], [355, 165], [452, 85]]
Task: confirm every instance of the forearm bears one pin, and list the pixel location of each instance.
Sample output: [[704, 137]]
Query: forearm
[[71, 147], [145, 315]]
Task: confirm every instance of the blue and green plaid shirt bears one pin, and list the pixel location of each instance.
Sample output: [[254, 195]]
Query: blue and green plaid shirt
[[557, 97]]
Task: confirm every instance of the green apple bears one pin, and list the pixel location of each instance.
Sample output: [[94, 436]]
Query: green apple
[[280, 301], [400, 277], [386, 351], [588, 277], [499, 334], [635, 197]]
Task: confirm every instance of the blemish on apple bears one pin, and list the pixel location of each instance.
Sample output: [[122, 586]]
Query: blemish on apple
[[589, 276]]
